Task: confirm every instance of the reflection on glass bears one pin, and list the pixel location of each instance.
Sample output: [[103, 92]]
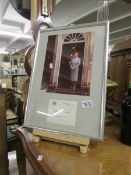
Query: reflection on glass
[[103, 10]]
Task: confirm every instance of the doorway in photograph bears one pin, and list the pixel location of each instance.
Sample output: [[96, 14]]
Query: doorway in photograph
[[68, 64], [66, 74], [49, 62]]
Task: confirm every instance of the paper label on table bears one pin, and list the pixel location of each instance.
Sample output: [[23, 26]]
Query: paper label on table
[[62, 112], [40, 157], [87, 104], [51, 66]]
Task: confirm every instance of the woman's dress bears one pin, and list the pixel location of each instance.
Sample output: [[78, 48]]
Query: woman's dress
[[74, 65]]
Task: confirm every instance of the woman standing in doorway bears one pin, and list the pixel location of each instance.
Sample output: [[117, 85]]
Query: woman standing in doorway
[[74, 65]]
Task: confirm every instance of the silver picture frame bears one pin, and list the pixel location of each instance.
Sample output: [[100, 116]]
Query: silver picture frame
[[52, 103]]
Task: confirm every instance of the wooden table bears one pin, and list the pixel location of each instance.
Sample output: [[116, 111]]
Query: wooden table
[[103, 158]]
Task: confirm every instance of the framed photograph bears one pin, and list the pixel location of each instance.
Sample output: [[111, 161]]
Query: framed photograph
[[67, 70], [68, 85]]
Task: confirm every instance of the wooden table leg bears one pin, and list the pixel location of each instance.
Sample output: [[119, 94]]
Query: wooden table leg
[[21, 158]]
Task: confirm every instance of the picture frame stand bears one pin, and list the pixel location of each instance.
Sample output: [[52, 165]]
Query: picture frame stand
[[69, 139]]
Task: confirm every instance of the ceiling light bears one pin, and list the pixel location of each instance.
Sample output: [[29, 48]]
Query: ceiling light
[[26, 36], [4, 52]]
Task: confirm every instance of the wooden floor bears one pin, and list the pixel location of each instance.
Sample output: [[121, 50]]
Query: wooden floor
[[13, 170]]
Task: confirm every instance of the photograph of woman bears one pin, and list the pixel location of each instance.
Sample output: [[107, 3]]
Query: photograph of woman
[[67, 66], [74, 66]]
